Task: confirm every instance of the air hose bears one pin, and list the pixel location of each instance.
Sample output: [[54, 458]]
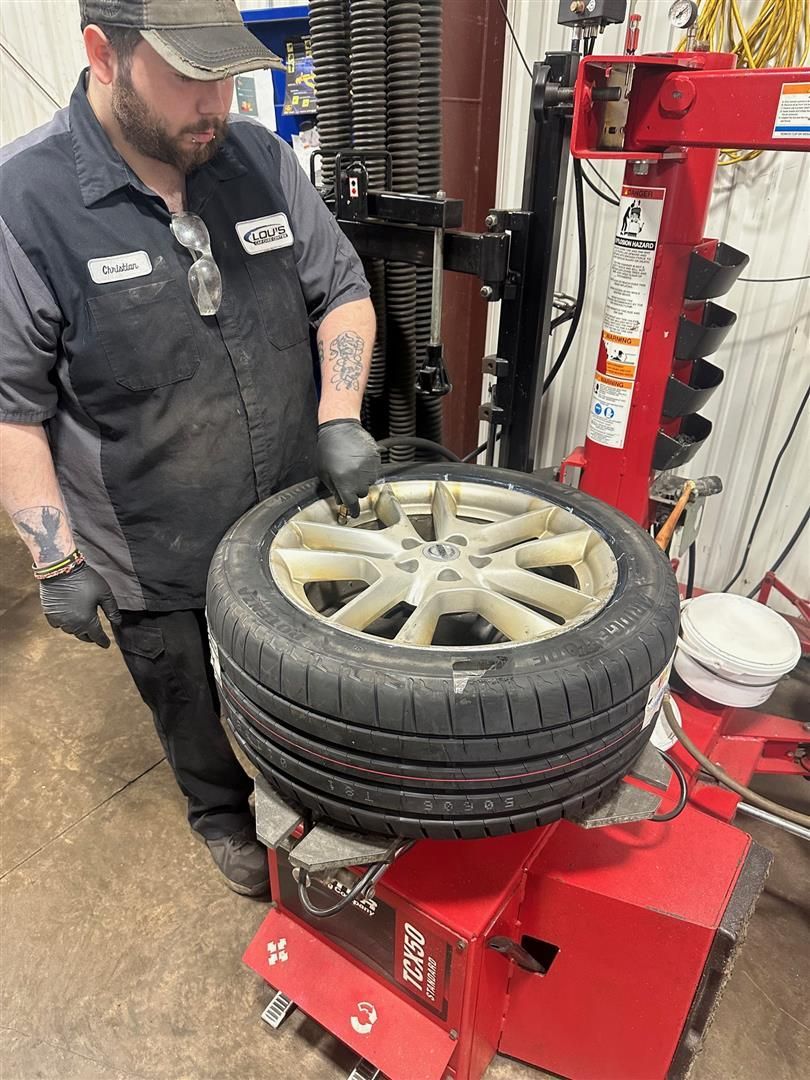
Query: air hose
[[428, 446], [722, 776]]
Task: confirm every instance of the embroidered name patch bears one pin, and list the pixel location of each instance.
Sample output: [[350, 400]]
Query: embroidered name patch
[[120, 267], [264, 233]]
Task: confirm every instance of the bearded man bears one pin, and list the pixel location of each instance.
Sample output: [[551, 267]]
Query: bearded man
[[163, 268]]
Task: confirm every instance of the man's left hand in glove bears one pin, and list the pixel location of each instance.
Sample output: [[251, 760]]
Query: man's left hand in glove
[[348, 461]]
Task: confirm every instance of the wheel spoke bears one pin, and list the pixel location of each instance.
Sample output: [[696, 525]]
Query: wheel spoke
[[419, 627], [346, 539], [542, 592], [362, 610], [560, 549], [304, 566], [514, 620], [501, 534], [444, 510], [391, 515]]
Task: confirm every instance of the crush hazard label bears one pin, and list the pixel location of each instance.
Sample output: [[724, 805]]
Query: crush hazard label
[[793, 112], [610, 410], [631, 273]]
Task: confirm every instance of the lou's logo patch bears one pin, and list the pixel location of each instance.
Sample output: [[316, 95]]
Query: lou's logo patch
[[120, 267], [264, 233]]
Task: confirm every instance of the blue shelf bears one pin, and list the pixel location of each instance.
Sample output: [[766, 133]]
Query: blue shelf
[[274, 27], [294, 11]]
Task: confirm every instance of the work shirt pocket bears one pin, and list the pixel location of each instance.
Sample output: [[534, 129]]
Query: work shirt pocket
[[281, 301], [146, 335]]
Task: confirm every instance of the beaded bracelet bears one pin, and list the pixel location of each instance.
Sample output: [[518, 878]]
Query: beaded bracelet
[[64, 566]]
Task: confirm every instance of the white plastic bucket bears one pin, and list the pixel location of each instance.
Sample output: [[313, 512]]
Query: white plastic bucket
[[733, 650]]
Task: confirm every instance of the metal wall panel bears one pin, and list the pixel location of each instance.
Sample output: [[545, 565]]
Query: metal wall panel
[[761, 207], [40, 42], [257, 5]]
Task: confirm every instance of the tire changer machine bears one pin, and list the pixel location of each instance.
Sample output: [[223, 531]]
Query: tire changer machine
[[598, 948]]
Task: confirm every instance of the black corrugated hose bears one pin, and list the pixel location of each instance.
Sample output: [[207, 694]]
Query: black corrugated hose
[[378, 69], [403, 135], [367, 57], [429, 151], [330, 54]]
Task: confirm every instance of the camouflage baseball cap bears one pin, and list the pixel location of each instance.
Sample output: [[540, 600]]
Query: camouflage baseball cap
[[203, 39]]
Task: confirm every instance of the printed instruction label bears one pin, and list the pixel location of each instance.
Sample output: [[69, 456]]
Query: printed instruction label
[[662, 736], [655, 698], [215, 660], [610, 410], [631, 273], [793, 112]]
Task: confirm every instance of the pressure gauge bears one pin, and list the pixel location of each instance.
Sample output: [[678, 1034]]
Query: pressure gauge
[[683, 14]]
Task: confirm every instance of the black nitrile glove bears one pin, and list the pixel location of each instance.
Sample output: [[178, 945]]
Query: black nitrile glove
[[348, 461], [71, 603]]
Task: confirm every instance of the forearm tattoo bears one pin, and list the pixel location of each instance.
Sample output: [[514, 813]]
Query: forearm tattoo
[[346, 360], [46, 531]]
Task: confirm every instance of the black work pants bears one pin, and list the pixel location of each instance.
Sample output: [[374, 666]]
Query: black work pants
[[168, 656]]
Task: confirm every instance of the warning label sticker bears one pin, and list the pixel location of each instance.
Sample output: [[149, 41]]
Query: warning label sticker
[[655, 697], [793, 112], [610, 410], [631, 273]]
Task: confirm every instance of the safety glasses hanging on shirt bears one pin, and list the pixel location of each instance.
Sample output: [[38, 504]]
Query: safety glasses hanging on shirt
[[204, 278]]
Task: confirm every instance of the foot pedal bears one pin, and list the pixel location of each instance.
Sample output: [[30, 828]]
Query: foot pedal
[[278, 1010], [364, 1070]]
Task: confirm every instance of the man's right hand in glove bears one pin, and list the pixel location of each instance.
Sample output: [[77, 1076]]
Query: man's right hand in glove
[[71, 602], [348, 461], [71, 592]]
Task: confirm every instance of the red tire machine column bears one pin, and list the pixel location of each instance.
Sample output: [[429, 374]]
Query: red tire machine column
[[667, 116], [672, 115], [661, 220]]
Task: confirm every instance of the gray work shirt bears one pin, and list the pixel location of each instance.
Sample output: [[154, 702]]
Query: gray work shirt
[[165, 426]]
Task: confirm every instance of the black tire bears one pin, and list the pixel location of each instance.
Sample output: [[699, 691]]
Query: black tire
[[420, 811], [372, 734]]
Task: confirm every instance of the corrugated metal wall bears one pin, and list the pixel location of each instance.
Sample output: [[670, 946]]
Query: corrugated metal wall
[[763, 208], [40, 43], [41, 54]]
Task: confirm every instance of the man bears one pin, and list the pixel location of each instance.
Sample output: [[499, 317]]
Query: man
[[161, 270]]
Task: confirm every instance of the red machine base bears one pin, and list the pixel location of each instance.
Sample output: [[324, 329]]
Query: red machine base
[[633, 929]]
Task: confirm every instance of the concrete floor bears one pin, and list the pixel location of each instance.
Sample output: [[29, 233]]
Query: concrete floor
[[121, 948]]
